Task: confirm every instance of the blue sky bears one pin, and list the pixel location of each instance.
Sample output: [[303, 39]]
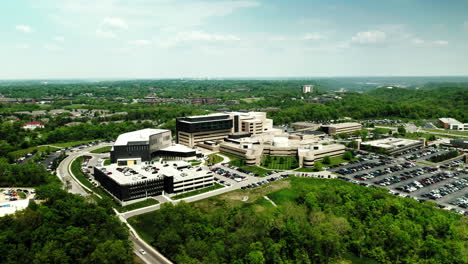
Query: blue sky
[[242, 38]]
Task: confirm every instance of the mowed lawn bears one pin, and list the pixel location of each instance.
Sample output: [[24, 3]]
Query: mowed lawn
[[101, 150], [235, 161], [280, 163], [334, 161]]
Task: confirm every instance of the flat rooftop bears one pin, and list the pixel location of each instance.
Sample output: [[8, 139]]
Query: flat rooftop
[[178, 148], [342, 125], [389, 143], [139, 136], [449, 120], [180, 170]]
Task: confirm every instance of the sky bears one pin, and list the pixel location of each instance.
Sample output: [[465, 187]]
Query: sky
[[61, 39]]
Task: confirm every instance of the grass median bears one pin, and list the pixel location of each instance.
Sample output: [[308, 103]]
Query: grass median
[[196, 192], [101, 150]]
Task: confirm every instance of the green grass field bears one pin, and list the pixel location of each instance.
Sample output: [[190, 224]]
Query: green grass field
[[76, 170], [213, 159], [235, 161], [199, 191], [73, 143], [102, 150], [280, 163], [137, 205], [107, 162], [445, 131], [334, 161]]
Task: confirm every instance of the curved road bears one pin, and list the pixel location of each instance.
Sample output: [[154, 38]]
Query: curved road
[[63, 173]]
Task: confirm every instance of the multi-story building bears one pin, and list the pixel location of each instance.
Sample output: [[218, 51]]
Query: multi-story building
[[308, 148], [139, 181], [307, 89], [141, 144], [305, 126], [195, 130], [392, 146], [333, 129]]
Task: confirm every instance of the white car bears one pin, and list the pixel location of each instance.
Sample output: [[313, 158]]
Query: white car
[[142, 251]]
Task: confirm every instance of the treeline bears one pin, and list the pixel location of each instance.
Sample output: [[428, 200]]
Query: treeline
[[316, 221], [64, 228], [382, 103], [27, 175]]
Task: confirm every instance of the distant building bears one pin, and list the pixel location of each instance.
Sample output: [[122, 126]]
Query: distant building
[[305, 125], [231, 102], [195, 130], [392, 146], [33, 125], [307, 89], [200, 100], [453, 124], [139, 181], [340, 128]]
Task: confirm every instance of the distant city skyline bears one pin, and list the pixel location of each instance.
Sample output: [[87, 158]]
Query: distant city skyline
[[117, 39]]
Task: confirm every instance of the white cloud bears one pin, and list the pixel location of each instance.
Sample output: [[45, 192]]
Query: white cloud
[[109, 27], [59, 38], [204, 36], [114, 22], [428, 43], [369, 37], [24, 28], [140, 42], [418, 41], [440, 43], [313, 36]]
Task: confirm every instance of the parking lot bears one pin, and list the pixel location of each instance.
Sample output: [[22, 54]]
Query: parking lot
[[404, 177]]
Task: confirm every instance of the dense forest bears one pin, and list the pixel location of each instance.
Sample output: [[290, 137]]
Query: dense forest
[[63, 228], [316, 221], [27, 175]]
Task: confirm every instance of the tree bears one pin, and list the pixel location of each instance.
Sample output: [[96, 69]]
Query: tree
[[401, 130], [348, 155], [317, 166], [326, 160]]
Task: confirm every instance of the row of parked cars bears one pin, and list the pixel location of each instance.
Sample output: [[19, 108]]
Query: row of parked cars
[[363, 166], [416, 185], [453, 164], [422, 153], [228, 174], [239, 169], [12, 194], [405, 176], [461, 201], [447, 189], [260, 183]]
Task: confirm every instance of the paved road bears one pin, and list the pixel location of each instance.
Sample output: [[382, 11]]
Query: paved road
[[151, 256], [63, 168]]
